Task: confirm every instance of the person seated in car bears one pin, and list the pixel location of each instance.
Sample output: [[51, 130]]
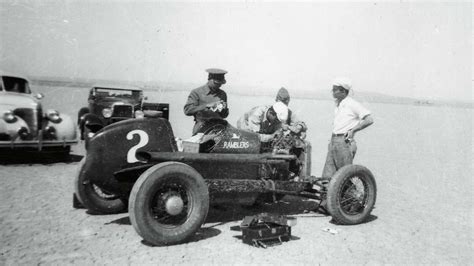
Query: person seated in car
[[266, 120]]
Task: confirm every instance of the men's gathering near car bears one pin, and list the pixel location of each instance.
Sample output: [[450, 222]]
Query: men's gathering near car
[[210, 101], [268, 121]]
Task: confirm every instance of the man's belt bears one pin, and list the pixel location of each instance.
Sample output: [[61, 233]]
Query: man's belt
[[338, 135]]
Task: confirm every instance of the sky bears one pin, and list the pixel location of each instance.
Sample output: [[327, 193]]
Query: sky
[[409, 49]]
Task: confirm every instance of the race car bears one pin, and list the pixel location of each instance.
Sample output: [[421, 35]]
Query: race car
[[137, 163], [23, 124]]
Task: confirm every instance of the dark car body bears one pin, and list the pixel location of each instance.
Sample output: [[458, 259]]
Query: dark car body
[[24, 125], [116, 147]]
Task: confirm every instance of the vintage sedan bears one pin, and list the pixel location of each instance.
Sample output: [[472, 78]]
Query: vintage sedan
[[110, 103], [23, 125]]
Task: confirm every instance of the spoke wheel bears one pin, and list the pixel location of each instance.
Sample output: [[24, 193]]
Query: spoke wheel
[[168, 203], [351, 194], [93, 198]]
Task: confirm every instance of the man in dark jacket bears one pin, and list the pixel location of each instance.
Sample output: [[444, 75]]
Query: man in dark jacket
[[208, 101]]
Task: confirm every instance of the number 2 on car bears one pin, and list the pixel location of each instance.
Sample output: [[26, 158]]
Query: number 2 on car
[[143, 141]]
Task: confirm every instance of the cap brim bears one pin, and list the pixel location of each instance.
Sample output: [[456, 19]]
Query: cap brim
[[220, 81]]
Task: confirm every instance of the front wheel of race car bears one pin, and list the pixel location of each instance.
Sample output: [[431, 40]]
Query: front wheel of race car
[[168, 203], [351, 194], [94, 198]]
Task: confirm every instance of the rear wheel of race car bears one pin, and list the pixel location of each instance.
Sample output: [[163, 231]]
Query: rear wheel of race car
[[94, 198], [168, 203], [351, 194]]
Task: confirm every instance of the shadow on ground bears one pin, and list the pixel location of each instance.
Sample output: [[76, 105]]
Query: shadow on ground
[[369, 219], [201, 234], [29, 157], [287, 206], [224, 213]]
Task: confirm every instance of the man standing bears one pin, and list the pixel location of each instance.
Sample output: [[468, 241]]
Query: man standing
[[265, 120], [208, 101], [350, 117]]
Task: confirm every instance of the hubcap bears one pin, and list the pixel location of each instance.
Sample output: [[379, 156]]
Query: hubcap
[[174, 204]]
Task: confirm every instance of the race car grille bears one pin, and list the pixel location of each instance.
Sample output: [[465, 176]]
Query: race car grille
[[122, 111], [31, 117]]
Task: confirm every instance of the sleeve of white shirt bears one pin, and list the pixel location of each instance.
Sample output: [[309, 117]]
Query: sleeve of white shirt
[[359, 109], [252, 119]]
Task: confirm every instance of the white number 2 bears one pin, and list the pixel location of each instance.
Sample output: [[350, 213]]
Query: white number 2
[[143, 136]]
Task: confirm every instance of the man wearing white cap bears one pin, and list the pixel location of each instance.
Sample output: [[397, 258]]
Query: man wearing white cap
[[350, 117], [265, 120]]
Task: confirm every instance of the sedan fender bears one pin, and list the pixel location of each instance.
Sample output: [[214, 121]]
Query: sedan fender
[[64, 128]]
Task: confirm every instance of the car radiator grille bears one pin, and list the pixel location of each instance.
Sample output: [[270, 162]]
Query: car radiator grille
[[32, 118], [122, 111]]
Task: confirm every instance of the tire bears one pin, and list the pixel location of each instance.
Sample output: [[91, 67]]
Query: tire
[[168, 203], [93, 198], [355, 183]]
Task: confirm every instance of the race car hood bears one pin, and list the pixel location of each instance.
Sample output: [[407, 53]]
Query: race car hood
[[12, 100]]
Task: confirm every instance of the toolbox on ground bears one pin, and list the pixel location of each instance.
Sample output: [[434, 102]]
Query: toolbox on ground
[[265, 229]]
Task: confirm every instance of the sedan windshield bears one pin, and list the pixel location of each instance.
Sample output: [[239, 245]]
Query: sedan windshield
[[13, 84], [107, 92]]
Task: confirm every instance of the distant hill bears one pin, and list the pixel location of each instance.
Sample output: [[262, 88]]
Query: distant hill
[[250, 90]]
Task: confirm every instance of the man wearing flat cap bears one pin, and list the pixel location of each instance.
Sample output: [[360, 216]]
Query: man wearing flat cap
[[349, 117], [293, 123], [208, 101]]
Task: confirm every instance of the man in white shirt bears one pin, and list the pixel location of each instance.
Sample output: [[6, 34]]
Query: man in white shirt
[[350, 117]]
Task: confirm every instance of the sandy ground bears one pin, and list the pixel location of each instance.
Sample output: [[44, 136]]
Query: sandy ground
[[39, 226], [421, 158]]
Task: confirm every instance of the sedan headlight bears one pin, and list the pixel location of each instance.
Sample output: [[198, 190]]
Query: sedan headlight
[[107, 112], [139, 114], [53, 116], [9, 117]]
